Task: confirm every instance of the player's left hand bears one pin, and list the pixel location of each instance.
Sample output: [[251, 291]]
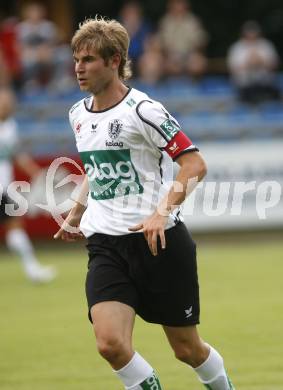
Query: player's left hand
[[152, 228]]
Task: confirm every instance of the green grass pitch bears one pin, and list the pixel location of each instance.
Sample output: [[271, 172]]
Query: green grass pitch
[[46, 342]]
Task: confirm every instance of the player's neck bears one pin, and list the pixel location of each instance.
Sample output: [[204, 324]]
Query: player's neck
[[110, 96]]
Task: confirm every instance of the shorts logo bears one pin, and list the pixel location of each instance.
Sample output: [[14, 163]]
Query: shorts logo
[[114, 128], [170, 128], [189, 312], [111, 173]]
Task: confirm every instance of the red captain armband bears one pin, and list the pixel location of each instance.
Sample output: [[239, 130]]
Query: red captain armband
[[178, 144]]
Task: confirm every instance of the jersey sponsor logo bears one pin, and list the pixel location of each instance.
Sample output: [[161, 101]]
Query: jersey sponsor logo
[[113, 143], [78, 127], [114, 128], [111, 173], [170, 128]]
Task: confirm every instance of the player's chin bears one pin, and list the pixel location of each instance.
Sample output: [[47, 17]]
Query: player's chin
[[84, 87]]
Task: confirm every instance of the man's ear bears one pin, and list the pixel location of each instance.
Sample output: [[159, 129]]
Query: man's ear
[[115, 61]]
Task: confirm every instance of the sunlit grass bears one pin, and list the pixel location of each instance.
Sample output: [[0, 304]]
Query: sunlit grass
[[47, 343]]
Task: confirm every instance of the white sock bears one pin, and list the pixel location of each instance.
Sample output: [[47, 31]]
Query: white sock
[[212, 372], [18, 241], [138, 374]]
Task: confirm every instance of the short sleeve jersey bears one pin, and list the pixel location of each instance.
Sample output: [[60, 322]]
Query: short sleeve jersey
[[127, 152], [8, 148]]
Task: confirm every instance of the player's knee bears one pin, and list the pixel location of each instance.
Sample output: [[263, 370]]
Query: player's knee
[[110, 348], [190, 355], [183, 353]]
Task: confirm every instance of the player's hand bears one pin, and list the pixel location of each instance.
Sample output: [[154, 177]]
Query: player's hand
[[67, 236], [70, 231], [152, 228]]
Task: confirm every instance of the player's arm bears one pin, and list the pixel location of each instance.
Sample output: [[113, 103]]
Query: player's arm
[[74, 217], [72, 221], [163, 131], [192, 170]]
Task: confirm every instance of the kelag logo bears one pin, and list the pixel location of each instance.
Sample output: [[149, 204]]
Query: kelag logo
[[111, 173]]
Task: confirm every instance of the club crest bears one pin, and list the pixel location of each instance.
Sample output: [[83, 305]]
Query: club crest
[[114, 128]]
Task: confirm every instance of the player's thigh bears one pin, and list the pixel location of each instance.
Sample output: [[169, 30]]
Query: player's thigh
[[113, 320]]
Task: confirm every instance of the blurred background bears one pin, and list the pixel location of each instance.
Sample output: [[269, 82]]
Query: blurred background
[[217, 66]]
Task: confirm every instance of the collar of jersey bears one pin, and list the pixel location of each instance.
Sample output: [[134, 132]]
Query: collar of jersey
[[109, 108]]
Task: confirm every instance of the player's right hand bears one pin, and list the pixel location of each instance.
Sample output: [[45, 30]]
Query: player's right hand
[[67, 236], [69, 230]]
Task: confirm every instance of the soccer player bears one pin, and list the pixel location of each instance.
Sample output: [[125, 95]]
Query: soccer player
[[16, 238], [142, 259]]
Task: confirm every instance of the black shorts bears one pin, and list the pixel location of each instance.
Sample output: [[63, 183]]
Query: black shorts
[[162, 289], [3, 201]]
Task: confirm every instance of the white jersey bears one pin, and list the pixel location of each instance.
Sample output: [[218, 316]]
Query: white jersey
[[8, 148], [127, 153]]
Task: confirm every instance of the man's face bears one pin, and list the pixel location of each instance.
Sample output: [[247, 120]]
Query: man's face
[[92, 72]]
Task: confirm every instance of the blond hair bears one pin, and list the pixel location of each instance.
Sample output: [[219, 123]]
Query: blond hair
[[107, 37]]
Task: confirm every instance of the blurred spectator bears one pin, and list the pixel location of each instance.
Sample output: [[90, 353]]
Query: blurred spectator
[[44, 60], [183, 40], [4, 73], [131, 16], [10, 56], [252, 61], [10, 151], [38, 38], [151, 63]]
